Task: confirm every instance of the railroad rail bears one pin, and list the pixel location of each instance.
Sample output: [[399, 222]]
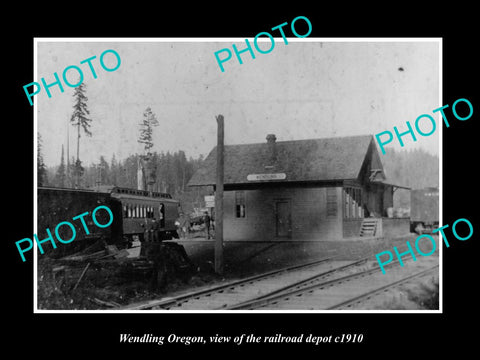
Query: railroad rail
[[293, 294], [369, 294], [225, 295], [310, 281]]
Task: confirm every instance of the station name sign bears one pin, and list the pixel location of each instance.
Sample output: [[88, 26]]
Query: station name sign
[[260, 177]]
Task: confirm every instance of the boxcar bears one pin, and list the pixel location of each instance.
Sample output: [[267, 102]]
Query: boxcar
[[59, 204], [424, 210]]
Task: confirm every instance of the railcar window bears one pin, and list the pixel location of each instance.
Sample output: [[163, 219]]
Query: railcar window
[[129, 211], [125, 212], [161, 214], [161, 211]]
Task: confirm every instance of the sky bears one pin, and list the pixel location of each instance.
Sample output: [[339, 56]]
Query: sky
[[310, 88]]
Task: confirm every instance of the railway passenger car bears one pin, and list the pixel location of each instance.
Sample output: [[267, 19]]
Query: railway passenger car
[[133, 210], [424, 210], [140, 207]]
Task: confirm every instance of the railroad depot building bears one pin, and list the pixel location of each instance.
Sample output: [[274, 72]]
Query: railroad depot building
[[316, 189]]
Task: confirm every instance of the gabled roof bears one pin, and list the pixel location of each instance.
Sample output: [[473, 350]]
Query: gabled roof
[[326, 159]]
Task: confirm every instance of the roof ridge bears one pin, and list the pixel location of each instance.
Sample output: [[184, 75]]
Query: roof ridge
[[312, 139]]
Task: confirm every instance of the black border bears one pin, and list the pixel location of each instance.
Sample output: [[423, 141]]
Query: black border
[[60, 335]]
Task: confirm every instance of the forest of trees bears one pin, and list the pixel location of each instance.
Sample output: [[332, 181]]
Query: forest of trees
[[416, 169], [174, 171], [413, 168]]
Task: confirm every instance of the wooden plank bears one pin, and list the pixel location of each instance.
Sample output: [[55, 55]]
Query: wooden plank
[[81, 276]]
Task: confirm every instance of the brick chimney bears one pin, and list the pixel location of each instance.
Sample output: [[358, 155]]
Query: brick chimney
[[272, 149]]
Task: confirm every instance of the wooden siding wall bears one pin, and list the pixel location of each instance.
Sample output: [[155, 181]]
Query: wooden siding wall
[[309, 218]]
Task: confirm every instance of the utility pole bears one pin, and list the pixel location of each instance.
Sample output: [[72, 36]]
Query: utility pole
[[219, 199]]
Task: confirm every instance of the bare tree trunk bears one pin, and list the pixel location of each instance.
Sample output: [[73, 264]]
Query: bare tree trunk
[[77, 170], [78, 141], [68, 184]]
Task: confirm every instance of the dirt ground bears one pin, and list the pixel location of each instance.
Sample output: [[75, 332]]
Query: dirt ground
[[419, 294], [107, 284]]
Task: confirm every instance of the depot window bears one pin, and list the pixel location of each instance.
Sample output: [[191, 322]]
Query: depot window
[[331, 202], [240, 204]]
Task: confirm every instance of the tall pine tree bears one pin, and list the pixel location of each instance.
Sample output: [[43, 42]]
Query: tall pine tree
[[146, 129], [103, 170], [41, 169], [114, 171], [60, 175], [80, 119]]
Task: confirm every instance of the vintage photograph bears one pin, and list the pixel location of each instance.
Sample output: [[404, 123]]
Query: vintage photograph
[[165, 184]]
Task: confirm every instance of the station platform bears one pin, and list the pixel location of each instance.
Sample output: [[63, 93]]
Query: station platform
[[249, 257]]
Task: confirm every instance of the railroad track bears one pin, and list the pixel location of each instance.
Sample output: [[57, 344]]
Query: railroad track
[[331, 294], [369, 294], [225, 296]]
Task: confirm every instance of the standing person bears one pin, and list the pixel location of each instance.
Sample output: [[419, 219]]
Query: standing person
[[183, 225], [155, 228], [206, 220]]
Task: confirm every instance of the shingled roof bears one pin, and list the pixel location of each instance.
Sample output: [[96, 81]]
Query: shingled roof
[[326, 159]]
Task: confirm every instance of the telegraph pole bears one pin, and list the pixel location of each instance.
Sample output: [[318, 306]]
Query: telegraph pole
[[219, 199]]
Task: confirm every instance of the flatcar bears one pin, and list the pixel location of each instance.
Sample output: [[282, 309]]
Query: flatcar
[[133, 211], [424, 210]]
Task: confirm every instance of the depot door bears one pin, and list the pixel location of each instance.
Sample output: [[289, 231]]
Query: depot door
[[283, 218]]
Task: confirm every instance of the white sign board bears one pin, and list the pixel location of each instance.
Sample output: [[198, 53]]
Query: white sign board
[[261, 177], [209, 201]]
